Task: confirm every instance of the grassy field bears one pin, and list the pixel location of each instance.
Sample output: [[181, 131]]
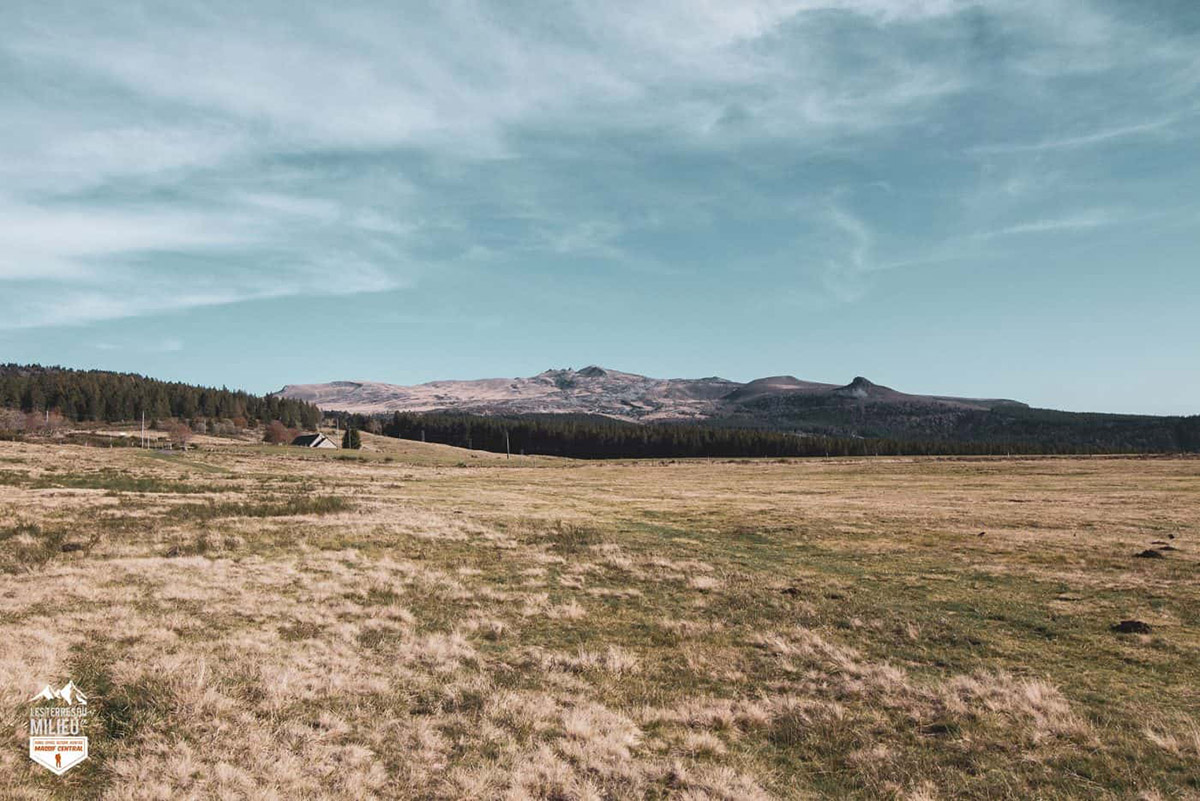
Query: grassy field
[[424, 622]]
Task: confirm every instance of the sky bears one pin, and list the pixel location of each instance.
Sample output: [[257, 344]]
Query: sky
[[997, 199]]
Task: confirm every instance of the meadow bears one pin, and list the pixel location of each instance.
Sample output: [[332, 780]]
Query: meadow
[[418, 621]]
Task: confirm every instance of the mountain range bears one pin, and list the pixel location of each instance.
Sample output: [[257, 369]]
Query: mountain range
[[783, 403], [609, 393]]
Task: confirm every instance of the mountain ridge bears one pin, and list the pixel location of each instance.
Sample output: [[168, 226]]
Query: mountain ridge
[[604, 391]]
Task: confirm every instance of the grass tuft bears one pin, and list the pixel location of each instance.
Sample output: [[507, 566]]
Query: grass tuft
[[28, 546]]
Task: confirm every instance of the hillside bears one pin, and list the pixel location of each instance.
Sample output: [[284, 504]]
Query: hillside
[[862, 409], [592, 390]]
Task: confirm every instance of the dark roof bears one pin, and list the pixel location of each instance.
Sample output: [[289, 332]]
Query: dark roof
[[308, 439]]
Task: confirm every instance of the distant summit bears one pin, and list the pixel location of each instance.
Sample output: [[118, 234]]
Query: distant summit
[[858, 388]]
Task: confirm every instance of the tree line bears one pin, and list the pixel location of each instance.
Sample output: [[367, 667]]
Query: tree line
[[589, 437], [1051, 430], [102, 396]]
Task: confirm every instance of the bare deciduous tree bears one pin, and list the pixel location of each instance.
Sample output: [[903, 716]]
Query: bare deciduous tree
[[276, 433], [43, 423], [11, 420], [180, 434]]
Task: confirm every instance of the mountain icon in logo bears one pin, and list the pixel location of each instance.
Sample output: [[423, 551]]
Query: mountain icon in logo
[[69, 693]]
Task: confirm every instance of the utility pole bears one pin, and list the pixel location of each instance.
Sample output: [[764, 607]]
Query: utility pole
[[507, 449], [143, 429]]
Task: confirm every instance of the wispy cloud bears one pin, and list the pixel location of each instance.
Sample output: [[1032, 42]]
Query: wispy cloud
[[845, 277], [588, 238], [1093, 218], [149, 292], [459, 77], [58, 240], [71, 263], [1098, 137]]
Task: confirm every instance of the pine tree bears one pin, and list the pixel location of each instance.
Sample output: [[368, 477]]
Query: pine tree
[[351, 440]]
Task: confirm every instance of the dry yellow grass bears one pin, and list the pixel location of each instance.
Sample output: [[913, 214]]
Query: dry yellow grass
[[432, 623]]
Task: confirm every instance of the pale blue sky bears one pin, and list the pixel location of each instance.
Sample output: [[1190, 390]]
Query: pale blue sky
[[993, 199]]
